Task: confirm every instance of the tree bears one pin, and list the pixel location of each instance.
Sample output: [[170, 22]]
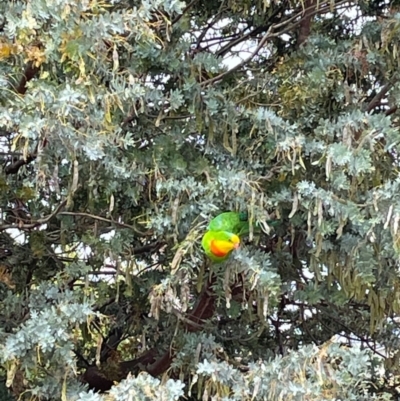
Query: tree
[[126, 126]]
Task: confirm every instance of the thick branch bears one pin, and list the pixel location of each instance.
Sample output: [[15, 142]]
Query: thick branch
[[149, 361], [305, 25], [14, 168], [29, 74], [379, 96], [391, 111]]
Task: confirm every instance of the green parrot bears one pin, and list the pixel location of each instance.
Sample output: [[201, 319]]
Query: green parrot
[[224, 232], [223, 235]]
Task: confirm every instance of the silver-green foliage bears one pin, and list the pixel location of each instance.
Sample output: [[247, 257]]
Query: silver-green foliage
[[136, 130]]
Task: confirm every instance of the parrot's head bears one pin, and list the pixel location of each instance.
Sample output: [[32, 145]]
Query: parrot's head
[[235, 241], [223, 243]]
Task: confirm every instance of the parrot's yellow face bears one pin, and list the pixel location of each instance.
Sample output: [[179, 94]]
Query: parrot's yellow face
[[221, 247]]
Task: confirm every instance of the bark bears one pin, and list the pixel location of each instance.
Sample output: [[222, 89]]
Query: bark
[[306, 20]]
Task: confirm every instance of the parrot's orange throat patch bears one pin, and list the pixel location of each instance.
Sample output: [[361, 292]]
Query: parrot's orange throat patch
[[221, 248]]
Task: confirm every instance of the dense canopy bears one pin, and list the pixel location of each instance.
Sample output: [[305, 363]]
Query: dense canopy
[[126, 126]]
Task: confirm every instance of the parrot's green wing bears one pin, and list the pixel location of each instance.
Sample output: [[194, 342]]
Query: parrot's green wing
[[232, 222], [236, 223]]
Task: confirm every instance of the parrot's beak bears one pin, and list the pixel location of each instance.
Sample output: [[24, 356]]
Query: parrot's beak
[[236, 246]]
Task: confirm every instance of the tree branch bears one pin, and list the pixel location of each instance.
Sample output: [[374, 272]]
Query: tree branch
[[187, 8], [391, 111], [36, 223], [14, 168], [29, 74], [379, 96], [244, 62], [305, 24], [269, 35], [149, 361], [117, 223]]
